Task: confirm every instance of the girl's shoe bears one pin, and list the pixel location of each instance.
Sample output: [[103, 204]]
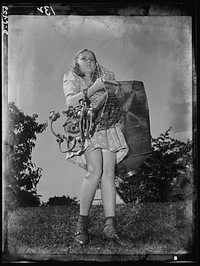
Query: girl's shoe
[[111, 233], [119, 240], [81, 232], [81, 235]]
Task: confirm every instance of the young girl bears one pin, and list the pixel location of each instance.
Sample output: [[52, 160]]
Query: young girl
[[101, 152]]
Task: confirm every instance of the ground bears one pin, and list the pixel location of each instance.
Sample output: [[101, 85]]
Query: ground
[[45, 233]]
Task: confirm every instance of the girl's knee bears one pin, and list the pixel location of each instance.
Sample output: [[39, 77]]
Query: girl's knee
[[94, 172], [109, 164], [108, 173]]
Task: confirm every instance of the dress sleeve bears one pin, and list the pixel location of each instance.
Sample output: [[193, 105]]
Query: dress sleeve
[[70, 85]]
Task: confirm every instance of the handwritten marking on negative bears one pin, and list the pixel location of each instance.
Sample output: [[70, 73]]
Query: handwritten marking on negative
[[5, 20], [47, 10]]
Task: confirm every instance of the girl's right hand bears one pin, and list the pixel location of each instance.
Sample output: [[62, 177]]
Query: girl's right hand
[[99, 83], [112, 81]]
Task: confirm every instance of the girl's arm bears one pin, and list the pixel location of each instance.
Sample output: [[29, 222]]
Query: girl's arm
[[73, 99], [72, 90]]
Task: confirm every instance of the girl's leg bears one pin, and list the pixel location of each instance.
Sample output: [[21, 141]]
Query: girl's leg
[[108, 190], [91, 180], [88, 189]]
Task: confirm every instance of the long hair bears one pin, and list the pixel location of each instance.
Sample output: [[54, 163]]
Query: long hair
[[76, 69]]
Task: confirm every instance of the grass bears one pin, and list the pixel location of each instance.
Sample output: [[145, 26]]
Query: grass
[[47, 232]]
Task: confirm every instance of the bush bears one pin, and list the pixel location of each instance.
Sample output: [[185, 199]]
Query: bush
[[20, 198], [161, 173], [21, 175], [61, 201]]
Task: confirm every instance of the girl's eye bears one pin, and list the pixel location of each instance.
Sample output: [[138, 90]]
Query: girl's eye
[[85, 59]]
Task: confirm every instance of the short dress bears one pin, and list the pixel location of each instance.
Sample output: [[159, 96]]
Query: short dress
[[111, 139]]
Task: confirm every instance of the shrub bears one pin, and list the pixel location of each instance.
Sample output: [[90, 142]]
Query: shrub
[[21, 175], [155, 180], [20, 198], [61, 201]]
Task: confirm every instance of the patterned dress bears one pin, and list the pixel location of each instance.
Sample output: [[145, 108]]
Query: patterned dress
[[111, 139]]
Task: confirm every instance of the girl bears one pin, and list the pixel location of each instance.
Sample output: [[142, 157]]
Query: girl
[[101, 152]]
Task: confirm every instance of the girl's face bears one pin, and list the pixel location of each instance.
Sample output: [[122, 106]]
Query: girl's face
[[86, 62]]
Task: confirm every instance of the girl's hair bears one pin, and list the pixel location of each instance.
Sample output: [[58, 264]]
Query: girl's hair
[[76, 69]]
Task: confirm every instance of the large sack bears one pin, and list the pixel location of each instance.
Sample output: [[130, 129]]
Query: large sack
[[135, 126]]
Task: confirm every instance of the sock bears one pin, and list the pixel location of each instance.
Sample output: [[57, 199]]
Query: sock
[[110, 220], [83, 221]]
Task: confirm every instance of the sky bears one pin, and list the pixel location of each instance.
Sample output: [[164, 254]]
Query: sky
[[156, 50]]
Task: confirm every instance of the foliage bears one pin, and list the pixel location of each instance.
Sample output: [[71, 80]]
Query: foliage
[[158, 175], [24, 199], [184, 185], [61, 201], [21, 174]]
